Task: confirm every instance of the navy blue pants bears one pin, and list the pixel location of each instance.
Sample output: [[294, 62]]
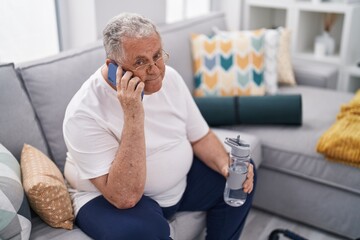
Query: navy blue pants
[[147, 220]]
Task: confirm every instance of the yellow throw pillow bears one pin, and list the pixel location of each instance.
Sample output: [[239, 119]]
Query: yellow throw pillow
[[285, 70], [341, 142], [45, 188], [229, 64]]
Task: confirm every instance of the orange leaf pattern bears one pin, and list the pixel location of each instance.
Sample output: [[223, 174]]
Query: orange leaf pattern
[[244, 52]]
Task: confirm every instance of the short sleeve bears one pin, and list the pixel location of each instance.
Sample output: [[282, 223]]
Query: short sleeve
[[90, 145], [196, 126]]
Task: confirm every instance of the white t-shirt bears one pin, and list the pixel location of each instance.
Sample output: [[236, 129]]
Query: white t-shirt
[[92, 128]]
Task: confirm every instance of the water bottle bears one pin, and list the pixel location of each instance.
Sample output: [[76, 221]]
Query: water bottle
[[239, 162]]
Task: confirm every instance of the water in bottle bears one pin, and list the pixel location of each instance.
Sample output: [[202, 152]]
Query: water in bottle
[[240, 158], [233, 193]]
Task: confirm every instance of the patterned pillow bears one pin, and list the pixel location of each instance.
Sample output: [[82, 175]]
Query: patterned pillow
[[15, 220], [285, 69], [277, 58], [45, 187], [229, 64], [271, 64]]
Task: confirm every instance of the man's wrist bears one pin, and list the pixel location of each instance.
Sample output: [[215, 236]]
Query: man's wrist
[[224, 170]]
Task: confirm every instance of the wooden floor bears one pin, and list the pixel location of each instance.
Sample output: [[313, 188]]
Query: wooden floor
[[260, 224]]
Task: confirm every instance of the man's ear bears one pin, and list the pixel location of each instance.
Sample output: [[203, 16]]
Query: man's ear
[[108, 61]]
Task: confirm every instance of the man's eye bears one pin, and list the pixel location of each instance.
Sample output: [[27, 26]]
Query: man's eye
[[140, 62], [157, 56]]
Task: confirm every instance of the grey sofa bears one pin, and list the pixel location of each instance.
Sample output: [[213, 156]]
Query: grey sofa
[[293, 180]]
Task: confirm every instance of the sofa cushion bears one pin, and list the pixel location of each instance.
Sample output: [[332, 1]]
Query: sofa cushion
[[42, 231], [292, 150], [316, 74], [18, 122], [284, 64], [272, 37], [51, 83], [14, 208], [271, 46], [187, 225], [45, 187], [229, 64]]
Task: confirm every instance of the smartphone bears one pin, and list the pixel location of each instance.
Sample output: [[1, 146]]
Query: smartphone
[[112, 75]]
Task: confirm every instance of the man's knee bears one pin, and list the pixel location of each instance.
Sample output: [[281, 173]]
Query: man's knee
[[100, 220], [140, 229]]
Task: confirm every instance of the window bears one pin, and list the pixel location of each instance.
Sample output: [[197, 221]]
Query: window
[[177, 10], [28, 30]]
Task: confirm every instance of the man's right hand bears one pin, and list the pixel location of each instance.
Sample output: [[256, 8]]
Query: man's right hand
[[129, 89]]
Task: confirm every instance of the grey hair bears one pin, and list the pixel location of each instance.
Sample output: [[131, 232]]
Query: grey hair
[[125, 25]]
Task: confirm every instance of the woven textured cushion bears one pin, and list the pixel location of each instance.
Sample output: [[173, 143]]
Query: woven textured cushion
[[14, 209], [229, 64], [271, 61], [45, 187], [341, 142], [284, 64]]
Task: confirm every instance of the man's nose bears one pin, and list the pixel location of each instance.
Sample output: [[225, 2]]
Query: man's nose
[[153, 66]]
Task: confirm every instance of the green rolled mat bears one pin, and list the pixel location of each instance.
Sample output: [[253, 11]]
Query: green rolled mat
[[268, 110]]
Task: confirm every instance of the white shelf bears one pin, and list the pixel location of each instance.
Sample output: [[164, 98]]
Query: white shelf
[[354, 71], [281, 4], [310, 25], [324, 7], [334, 59], [305, 19], [270, 17]]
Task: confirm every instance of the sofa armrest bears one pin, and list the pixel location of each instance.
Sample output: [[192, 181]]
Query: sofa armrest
[[315, 74]]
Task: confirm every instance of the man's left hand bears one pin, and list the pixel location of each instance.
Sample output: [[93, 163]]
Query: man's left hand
[[249, 182]]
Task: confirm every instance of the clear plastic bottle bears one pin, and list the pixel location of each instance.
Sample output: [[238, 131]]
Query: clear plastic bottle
[[239, 162]]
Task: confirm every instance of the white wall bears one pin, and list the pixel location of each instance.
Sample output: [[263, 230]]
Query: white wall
[[82, 21], [106, 9], [27, 30], [77, 22], [234, 12]]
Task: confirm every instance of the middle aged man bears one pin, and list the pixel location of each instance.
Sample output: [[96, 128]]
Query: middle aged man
[[133, 163]]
